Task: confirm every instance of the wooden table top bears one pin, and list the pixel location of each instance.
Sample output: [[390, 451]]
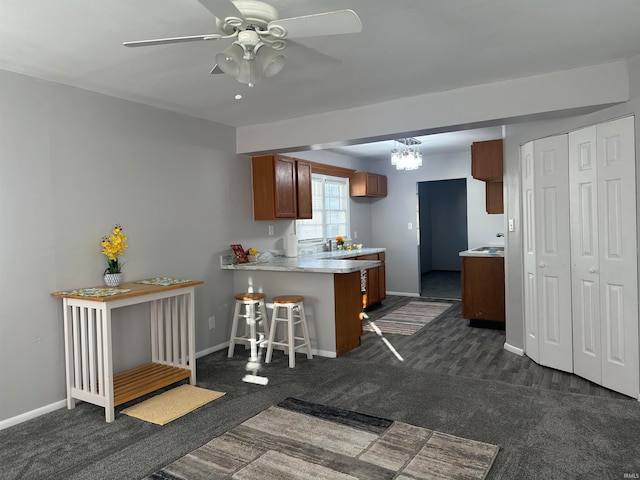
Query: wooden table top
[[135, 290]]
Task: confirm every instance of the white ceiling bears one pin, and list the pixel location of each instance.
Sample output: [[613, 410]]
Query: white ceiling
[[406, 48]]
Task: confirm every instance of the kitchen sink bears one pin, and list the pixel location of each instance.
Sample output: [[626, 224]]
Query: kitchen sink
[[488, 249]]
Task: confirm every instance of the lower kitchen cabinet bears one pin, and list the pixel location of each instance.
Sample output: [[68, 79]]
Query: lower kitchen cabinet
[[483, 288], [376, 288]]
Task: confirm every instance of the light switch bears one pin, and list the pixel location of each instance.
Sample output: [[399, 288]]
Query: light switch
[[410, 226], [512, 225], [270, 230]]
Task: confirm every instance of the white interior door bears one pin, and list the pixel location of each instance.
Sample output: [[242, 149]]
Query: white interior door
[[553, 251], [529, 251], [618, 255], [585, 275]]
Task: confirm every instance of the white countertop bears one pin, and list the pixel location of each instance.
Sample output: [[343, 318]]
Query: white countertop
[[322, 262], [489, 251]]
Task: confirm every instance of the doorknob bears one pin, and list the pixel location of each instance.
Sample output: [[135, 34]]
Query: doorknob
[[593, 270], [542, 264]]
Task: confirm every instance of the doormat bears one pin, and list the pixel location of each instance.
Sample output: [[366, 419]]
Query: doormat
[[299, 440], [172, 404], [407, 319]]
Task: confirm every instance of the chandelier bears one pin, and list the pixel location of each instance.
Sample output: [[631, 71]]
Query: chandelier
[[406, 154]]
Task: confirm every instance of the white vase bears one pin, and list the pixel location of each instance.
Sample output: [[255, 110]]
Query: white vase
[[113, 279], [252, 258]]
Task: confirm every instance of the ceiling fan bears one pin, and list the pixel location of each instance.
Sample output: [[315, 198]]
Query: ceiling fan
[[259, 35]]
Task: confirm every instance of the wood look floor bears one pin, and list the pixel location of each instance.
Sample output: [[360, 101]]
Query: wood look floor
[[450, 346]]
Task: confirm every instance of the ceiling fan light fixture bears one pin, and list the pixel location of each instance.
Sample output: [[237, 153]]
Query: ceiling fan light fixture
[[269, 61], [249, 73], [231, 59]]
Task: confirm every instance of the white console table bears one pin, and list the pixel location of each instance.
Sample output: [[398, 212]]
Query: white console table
[[88, 344]]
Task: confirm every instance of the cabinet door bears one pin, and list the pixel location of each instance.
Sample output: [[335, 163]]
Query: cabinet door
[[382, 185], [373, 293], [494, 197], [303, 186], [486, 160], [483, 288], [285, 187], [372, 184]]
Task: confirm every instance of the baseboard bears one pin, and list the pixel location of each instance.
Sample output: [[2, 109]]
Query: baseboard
[[23, 417], [404, 294], [215, 348], [512, 349]]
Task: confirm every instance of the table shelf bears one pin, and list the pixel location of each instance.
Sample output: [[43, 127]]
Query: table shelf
[[145, 379], [88, 343]]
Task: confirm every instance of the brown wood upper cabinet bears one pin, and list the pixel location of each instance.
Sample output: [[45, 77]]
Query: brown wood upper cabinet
[[486, 160], [281, 188], [487, 165], [366, 184]]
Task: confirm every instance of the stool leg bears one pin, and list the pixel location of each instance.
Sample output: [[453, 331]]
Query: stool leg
[[290, 330], [251, 322], [265, 320], [272, 332], [234, 329], [305, 330]]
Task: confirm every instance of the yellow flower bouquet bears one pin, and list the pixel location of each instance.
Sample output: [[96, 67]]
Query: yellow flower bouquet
[[252, 255], [113, 247]]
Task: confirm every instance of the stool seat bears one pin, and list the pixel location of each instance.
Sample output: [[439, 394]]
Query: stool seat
[[251, 308], [288, 299], [294, 316], [249, 296]]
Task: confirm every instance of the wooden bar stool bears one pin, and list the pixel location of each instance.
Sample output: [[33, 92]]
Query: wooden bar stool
[[251, 308], [293, 308]]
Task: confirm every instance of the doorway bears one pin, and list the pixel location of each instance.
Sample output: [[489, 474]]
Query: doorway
[[442, 210]]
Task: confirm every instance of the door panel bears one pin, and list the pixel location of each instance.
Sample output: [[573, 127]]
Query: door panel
[[551, 192], [530, 265], [583, 188], [618, 257]]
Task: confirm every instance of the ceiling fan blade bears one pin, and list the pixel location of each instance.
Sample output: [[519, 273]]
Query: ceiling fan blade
[[165, 41], [329, 23], [222, 9], [298, 53], [216, 70]]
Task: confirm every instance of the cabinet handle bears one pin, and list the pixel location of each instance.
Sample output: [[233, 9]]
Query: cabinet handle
[[542, 264], [593, 270]]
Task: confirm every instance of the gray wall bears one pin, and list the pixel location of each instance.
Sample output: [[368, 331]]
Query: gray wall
[[73, 163]]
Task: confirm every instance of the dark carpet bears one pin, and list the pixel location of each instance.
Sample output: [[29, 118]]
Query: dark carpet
[[544, 429]]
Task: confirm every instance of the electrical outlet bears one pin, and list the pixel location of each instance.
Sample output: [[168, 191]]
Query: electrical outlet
[[410, 226], [355, 234], [212, 322], [512, 225]]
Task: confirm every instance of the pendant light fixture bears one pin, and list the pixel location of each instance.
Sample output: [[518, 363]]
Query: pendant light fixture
[[406, 154]]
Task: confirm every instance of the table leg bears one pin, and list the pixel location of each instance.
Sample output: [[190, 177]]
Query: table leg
[[68, 353], [109, 410]]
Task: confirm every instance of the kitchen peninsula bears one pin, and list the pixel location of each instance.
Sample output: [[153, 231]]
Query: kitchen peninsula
[[331, 285]]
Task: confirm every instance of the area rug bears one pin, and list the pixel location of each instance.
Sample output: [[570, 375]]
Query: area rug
[[407, 319], [172, 404], [298, 440]]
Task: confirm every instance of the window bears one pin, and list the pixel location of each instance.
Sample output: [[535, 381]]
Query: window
[[330, 196]]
